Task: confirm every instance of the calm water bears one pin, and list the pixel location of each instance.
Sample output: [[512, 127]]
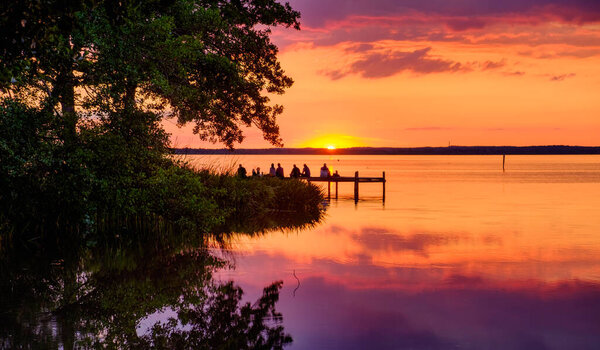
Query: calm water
[[461, 255]]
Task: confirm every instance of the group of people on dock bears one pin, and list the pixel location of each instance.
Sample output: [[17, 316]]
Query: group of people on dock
[[278, 172]]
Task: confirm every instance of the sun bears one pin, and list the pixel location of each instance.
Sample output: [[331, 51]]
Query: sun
[[333, 142]]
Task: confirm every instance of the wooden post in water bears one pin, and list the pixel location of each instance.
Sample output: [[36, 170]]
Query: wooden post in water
[[328, 189], [356, 186], [384, 187], [336, 189], [503, 161]]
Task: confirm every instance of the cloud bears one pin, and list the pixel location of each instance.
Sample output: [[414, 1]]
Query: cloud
[[334, 74], [459, 14], [376, 64], [330, 22], [514, 73], [461, 24], [562, 77], [552, 54], [361, 47], [491, 65]]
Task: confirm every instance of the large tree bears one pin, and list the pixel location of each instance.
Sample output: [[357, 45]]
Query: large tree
[[208, 62]]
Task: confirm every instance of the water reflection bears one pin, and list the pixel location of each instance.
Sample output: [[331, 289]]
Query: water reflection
[[465, 314], [361, 304], [462, 256], [62, 291]]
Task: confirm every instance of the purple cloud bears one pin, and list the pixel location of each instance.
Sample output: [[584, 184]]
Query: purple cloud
[[375, 64], [330, 22], [384, 64], [458, 14], [361, 47]]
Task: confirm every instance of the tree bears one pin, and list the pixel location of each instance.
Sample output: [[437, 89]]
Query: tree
[[208, 62]]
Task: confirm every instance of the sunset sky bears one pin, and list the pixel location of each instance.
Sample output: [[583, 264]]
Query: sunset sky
[[405, 73]]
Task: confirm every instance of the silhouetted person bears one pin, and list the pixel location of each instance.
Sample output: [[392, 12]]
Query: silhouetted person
[[325, 171], [258, 173], [241, 172], [272, 171], [279, 171], [295, 172], [336, 174], [305, 171]]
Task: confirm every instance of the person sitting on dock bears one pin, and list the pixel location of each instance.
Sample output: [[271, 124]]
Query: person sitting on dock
[[325, 171], [279, 171], [241, 172], [305, 171], [336, 174], [295, 172], [272, 171]]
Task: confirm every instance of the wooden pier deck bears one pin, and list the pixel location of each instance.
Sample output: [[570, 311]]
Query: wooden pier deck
[[355, 179]]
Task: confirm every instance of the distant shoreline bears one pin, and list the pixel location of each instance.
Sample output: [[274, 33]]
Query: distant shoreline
[[452, 150]]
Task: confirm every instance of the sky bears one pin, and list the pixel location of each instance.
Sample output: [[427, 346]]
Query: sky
[[409, 73]]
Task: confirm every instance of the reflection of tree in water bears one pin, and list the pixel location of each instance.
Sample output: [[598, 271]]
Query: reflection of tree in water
[[94, 293]]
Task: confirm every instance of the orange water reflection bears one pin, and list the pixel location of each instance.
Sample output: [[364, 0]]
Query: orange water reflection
[[461, 215], [461, 253]]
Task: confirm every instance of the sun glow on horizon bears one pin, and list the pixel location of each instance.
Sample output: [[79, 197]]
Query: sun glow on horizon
[[333, 141]]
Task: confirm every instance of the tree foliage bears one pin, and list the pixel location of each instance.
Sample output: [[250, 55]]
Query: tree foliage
[[208, 62], [85, 85]]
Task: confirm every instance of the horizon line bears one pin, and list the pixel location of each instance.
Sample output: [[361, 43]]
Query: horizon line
[[429, 150]]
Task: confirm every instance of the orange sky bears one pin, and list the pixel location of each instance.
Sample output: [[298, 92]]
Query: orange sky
[[422, 76]]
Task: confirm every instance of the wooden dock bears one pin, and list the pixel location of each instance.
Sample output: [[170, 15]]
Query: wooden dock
[[356, 180]]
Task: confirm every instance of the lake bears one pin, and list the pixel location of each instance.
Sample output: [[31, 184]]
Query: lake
[[460, 255]]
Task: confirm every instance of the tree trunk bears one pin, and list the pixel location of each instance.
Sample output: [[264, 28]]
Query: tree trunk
[[130, 97], [66, 90]]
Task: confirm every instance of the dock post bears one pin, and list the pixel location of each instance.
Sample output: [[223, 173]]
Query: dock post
[[384, 187], [336, 189], [503, 161], [328, 189], [356, 186]]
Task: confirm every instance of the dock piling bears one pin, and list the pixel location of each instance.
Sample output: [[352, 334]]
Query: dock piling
[[336, 190], [383, 182], [356, 179], [356, 186]]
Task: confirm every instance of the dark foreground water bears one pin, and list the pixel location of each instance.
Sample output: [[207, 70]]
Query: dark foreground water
[[461, 255]]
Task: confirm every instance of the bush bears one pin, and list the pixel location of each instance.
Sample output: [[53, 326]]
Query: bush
[[38, 179], [120, 171]]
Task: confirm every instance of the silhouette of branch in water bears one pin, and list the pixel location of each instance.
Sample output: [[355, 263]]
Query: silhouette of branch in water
[[298, 283]]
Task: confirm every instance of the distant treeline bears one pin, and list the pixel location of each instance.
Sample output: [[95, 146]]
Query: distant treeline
[[452, 150]]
